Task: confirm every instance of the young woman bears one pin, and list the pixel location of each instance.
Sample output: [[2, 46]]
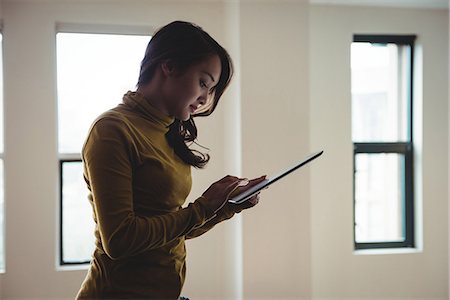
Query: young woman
[[137, 166]]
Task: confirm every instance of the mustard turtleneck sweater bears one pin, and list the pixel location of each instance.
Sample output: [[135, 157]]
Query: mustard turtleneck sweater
[[137, 188]]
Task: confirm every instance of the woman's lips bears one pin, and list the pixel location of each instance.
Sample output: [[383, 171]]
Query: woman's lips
[[193, 108]]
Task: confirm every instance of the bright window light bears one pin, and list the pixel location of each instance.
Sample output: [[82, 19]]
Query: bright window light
[[94, 72], [379, 98], [378, 190]]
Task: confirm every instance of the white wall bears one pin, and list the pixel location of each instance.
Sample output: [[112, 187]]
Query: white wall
[[275, 132], [337, 273]]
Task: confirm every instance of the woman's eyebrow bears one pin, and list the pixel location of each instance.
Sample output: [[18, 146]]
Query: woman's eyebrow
[[209, 74]]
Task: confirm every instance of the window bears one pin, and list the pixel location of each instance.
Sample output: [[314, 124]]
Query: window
[[93, 73], [2, 207], [381, 86]]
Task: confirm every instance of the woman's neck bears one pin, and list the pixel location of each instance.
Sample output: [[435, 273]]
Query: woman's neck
[[153, 96]]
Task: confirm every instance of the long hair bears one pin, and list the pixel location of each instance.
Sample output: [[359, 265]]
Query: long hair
[[184, 44]]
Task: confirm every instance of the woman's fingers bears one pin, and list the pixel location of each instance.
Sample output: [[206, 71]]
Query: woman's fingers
[[253, 182], [232, 187], [217, 194], [257, 180], [249, 203], [254, 200], [228, 178]]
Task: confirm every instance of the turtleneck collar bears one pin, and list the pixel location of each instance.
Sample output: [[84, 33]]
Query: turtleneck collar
[[137, 101]]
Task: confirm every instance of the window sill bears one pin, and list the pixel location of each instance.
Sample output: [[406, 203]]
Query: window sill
[[387, 251]]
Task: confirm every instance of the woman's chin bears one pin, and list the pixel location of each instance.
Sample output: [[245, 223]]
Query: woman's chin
[[185, 117]]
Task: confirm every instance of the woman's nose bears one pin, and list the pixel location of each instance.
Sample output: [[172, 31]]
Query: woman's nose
[[203, 98]]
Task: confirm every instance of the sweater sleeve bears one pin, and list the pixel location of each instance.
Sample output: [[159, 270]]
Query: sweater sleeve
[[227, 212], [108, 160]]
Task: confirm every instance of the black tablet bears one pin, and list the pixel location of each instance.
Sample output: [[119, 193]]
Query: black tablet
[[252, 191]]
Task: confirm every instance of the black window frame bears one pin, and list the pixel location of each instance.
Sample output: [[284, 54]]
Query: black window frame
[[404, 148], [62, 262]]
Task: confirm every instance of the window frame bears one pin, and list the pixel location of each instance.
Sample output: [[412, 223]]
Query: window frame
[[403, 148], [65, 158], [2, 159], [3, 211]]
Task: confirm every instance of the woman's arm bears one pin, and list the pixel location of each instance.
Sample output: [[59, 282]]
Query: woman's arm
[[227, 212], [107, 156]]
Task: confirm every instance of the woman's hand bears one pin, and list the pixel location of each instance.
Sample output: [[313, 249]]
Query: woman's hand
[[242, 188], [229, 186], [219, 192]]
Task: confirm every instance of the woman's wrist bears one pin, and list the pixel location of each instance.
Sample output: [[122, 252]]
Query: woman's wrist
[[209, 211]]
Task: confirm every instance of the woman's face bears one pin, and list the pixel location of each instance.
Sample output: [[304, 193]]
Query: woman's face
[[186, 91]]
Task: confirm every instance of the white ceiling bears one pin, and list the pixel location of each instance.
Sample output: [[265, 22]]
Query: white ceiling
[[392, 3]]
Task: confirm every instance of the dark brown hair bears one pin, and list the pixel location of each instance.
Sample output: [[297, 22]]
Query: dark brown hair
[[184, 44]]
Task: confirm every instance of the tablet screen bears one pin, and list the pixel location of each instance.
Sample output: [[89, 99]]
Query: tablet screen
[[255, 189]]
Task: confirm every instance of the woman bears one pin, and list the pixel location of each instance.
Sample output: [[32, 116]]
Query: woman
[[137, 165]]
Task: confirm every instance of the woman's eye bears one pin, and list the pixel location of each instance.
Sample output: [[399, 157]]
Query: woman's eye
[[203, 84]]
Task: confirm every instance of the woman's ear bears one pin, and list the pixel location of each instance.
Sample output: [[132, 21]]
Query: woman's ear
[[168, 68]]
